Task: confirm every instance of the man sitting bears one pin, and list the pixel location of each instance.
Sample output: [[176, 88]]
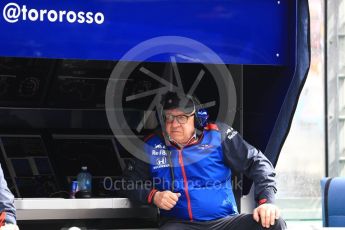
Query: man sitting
[[191, 173]]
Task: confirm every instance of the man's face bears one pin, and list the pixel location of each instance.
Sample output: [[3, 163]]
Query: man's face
[[181, 133]]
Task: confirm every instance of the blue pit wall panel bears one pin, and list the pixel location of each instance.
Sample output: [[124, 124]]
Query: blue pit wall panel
[[240, 32]]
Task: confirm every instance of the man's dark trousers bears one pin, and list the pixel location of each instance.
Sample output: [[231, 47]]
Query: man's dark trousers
[[237, 222]]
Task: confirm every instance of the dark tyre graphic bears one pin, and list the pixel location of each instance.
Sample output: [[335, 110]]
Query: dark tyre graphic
[[125, 72]]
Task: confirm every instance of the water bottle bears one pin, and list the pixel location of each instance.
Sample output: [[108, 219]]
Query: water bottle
[[84, 183]]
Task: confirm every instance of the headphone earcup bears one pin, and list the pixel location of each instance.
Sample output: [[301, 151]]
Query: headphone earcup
[[197, 121], [201, 118]]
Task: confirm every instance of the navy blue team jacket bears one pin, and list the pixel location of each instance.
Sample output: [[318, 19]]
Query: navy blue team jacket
[[201, 172]]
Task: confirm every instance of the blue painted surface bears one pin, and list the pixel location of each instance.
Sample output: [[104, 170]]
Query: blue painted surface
[[336, 200], [240, 32]]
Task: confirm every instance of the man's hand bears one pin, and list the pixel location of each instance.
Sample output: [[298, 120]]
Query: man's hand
[[166, 200], [9, 227], [267, 213]]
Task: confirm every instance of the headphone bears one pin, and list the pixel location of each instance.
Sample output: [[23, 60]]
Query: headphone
[[200, 114]]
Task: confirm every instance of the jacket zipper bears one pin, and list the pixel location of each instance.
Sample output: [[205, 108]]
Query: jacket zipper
[[171, 172], [185, 184]]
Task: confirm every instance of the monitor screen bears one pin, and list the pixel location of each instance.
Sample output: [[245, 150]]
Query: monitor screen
[[24, 146], [22, 167], [97, 154]]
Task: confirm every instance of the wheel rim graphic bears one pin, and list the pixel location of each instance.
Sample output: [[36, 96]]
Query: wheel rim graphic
[[181, 46]]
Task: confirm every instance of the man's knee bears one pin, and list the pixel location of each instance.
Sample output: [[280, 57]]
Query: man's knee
[[279, 225], [172, 226], [167, 227]]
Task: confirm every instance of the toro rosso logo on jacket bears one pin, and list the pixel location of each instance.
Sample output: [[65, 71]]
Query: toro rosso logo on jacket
[[159, 146]]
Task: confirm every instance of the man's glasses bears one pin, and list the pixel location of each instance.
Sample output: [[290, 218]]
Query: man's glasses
[[181, 119]]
